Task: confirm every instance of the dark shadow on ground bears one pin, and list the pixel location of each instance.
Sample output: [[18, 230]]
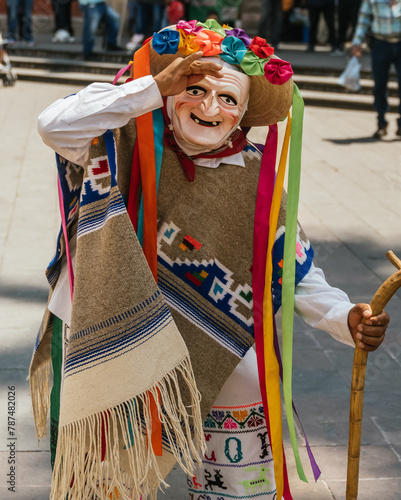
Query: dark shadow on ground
[[26, 293], [359, 140]]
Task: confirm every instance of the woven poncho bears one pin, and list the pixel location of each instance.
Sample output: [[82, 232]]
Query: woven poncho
[[130, 338]]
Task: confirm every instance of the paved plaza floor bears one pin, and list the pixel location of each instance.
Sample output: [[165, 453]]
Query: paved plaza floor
[[350, 209]]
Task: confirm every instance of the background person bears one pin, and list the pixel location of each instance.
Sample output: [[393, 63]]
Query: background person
[[316, 9], [94, 13], [271, 14], [149, 18], [383, 19], [20, 11], [62, 18], [347, 19]]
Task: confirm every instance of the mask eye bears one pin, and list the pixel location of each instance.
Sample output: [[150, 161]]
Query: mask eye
[[196, 91], [228, 99]]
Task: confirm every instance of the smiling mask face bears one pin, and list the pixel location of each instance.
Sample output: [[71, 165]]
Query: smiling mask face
[[205, 114]]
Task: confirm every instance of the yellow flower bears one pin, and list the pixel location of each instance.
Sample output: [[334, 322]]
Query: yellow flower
[[187, 44]]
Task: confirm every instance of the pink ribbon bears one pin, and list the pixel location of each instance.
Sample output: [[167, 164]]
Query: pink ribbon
[[121, 72]]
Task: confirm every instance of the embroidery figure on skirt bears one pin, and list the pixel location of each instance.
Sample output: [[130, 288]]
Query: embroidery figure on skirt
[[178, 246]]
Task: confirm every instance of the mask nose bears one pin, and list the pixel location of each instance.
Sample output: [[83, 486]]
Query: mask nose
[[210, 105]]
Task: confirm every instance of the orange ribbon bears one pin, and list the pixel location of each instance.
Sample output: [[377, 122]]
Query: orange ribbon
[[146, 148]]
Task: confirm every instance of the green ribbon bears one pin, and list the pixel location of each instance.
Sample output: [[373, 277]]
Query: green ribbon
[[57, 362], [289, 265]]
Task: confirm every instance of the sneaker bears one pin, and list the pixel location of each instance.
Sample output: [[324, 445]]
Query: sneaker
[[28, 43], [9, 42], [62, 36], [380, 132], [135, 42]]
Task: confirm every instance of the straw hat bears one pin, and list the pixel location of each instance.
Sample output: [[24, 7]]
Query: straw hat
[[271, 90]]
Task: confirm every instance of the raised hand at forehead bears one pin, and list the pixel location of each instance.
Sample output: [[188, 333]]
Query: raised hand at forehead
[[183, 72]]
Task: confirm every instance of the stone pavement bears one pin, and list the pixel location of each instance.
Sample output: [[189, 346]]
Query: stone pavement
[[350, 206]]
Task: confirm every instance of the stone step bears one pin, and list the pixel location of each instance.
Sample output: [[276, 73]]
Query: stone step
[[329, 84], [344, 101], [61, 77], [71, 53], [66, 65]]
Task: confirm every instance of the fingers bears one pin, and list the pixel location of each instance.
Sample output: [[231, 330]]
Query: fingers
[[205, 67], [382, 319], [368, 331], [356, 50], [368, 342], [371, 334], [362, 310], [191, 65]]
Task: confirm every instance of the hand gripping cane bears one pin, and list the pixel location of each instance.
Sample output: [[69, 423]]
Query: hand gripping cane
[[379, 301]]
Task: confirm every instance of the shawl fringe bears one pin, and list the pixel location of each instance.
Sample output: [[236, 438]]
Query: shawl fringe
[[94, 470], [39, 383]]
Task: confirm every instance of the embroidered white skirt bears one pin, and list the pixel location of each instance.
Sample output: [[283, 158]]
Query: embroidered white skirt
[[238, 462]]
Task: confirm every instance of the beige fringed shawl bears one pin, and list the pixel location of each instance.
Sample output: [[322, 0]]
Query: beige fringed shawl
[[124, 346]]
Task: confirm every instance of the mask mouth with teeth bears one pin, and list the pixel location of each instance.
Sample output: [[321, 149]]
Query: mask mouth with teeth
[[204, 123], [205, 115]]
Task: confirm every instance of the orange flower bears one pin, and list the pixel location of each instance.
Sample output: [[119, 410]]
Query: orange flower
[[209, 42]]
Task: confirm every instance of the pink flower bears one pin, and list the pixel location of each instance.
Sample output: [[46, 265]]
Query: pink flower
[[189, 27], [278, 71]]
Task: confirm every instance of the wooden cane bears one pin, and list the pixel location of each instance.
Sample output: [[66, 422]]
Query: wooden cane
[[379, 301]]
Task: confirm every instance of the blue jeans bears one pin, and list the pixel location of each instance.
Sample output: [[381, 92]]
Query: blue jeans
[[26, 19], [383, 55], [270, 21], [148, 12], [94, 14]]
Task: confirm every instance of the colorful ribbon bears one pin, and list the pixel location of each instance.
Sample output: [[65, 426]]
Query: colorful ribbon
[[268, 368], [268, 203], [146, 152], [146, 149], [289, 263]]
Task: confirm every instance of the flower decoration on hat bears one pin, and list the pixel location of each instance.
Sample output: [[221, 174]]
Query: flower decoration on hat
[[166, 42], [261, 48], [233, 45], [189, 27], [233, 50], [209, 42], [252, 65], [213, 25], [187, 44], [240, 33], [278, 71]]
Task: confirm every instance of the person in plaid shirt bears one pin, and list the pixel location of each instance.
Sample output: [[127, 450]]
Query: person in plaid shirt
[[383, 19]]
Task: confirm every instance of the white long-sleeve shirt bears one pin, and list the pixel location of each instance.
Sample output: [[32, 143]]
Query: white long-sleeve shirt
[[68, 127]]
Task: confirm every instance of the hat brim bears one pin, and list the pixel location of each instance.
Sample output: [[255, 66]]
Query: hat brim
[[268, 103]]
